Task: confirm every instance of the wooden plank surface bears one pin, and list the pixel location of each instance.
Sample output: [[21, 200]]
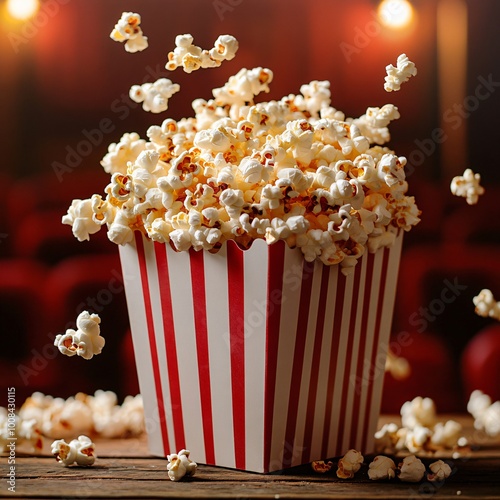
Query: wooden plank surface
[[125, 469]]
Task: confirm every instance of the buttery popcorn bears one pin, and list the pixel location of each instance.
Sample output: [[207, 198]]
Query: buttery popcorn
[[486, 305], [86, 341], [128, 30], [81, 451], [381, 468], [191, 57], [294, 169], [321, 466], [349, 464], [467, 186], [180, 465], [400, 74]]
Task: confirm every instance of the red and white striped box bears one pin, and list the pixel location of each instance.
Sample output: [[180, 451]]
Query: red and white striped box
[[258, 360]]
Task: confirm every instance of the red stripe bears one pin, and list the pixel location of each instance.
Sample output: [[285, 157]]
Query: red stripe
[[236, 292], [346, 383], [298, 361], [275, 280], [313, 381], [337, 323], [200, 323], [358, 382], [152, 340], [170, 344], [375, 349]]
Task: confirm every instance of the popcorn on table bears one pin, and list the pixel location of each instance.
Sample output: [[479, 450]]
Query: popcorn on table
[[381, 468], [86, 341], [154, 96], [349, 464], [440, 471], [191, 57], [400, 74], [321, 466], [81, 451], [411, 469], [25, 430], [486, 305], [486, 414], [128, 30], [294, 169], [467, 186], [180, 465]]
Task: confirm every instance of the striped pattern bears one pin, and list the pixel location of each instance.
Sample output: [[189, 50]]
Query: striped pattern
[[258, 360]]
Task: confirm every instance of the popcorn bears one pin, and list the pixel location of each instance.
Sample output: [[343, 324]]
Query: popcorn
[[486, 305], [24, 430], [81, 451], [349, 464], [419, 411], [154, 96], [321, 467], [440, 471], [381, 468], [179, 465], [411, 469], [398, 367], [294, 169], [400, 74], [191, 57], [386, 438], [86, 341], [467, 186], [446, 435], [128, 30], [486, 415]]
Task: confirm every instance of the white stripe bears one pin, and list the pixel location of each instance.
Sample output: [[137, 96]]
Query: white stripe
[[185, 338], [307, 363], [217, 299], [324, 365], [138, 325], [355, 330], [340, 363], [154, 291], [256, 263], [292, 279]]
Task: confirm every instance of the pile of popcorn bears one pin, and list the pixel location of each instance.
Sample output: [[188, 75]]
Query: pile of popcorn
[[420, 431], [410, 469], [294, 169], [24, 430], [99, 414]]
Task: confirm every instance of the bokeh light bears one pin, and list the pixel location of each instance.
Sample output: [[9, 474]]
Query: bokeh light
[[22, 10], [396, 14]]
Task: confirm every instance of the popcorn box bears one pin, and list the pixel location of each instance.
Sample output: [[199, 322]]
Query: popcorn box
[[256, 359]]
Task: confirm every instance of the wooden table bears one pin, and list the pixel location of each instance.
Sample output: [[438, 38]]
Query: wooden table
[[124, 469]]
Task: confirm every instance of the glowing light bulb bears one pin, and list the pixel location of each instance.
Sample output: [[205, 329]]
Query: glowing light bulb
[[395, 14], [22, 10]]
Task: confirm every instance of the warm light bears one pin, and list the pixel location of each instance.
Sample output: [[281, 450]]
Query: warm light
[[395, 13], [22, 10]]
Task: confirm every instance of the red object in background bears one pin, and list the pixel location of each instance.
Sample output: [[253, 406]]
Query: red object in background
[[433, 374], [481, 363]]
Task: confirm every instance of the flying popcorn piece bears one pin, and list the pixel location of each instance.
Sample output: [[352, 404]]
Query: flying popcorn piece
[[411, 469], [81, 451], [179, 465], [86, 341], [486, 305], [154, 96], [467, 186], [128, 30], [397, 366], [440, 471], [191, 57], [80, 218], [349, 464], [381, 468], [399, 74]]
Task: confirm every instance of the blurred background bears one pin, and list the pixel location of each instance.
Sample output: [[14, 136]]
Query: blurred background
[[64, 98]]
